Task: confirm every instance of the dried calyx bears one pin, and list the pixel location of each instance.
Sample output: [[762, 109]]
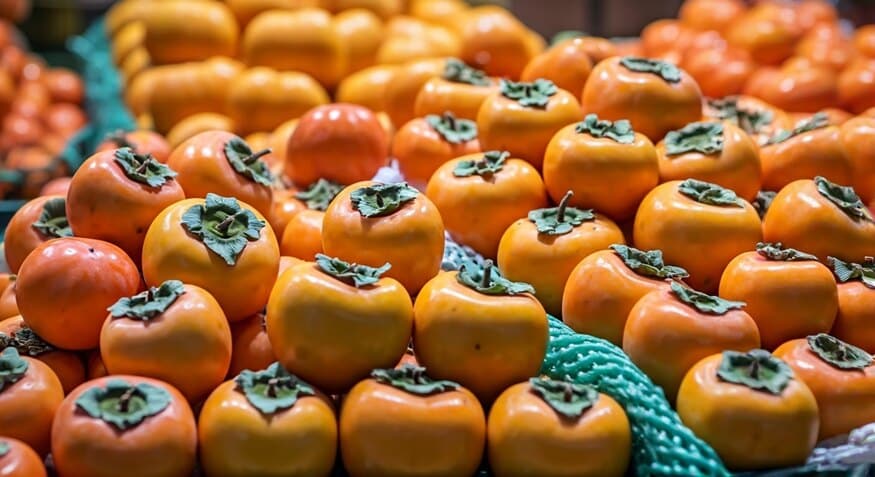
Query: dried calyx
[[777, 252], [817, 121], [319, 195], [123, 404], [458, 72], [143, 168], [453, 130], [708, 193], [845, 198], [561, 219], [849, 271], [704, 137], [619, 131], [839, 354], [148, 304]]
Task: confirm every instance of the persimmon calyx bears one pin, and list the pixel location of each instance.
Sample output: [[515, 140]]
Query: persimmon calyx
[[763, 201], [248, 163], [837, 353], [489, 281], [26, 342], [319, 195], [457, 71], [844, 197], [817, 121], [648, 263], [757, 369], [705, 303], [352, 273], [751, 121], [412, 379], [665, 70], [452, 129], [52, 221], [223, 226], [273, 389], [119, 137], [148, 304], [380, 200], [705, 137], [490, 164], [535, 94], [12, 367], [619, 131], [143, 168], [561, 219], [850, 271], [123, 404], [777, 252], [708, 193], [569, 400], [4, 448]]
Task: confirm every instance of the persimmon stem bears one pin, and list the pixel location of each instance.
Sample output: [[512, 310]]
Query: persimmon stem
[[256, 156], [487, 274], [380, 201], [450, 118], [755, 369], [563, 204], [226, 224], [271, 387], [142, 167], [568, 395], [124, 401]]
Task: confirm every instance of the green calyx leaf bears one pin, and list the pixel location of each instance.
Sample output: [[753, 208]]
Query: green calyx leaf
[[458, 72], [665, 70], [838, 353], [704, 137], [570, 400], [566, 35], [273, 389], [618, 131], [380, 200], [412, 379], [248, 163], [777, 252], [850, 271], [763, 201], [705, 303], [491, 163], [708, 193], [756, 369], [357, 275], [844, 197], [223, 226], [144, 169], [749, 121], [647, 263], [52, 221], [12, 367], [4, 448], [148, 304], [817, 121], [122, 404], [489, 281], [560, 220], [320, 194], [26, 342], [535, 94], [451, 129]]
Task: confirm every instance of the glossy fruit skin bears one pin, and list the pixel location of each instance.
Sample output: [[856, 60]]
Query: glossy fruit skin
[[164, 444], [20, 460], [237, 440], [768, 32], [701, 238], [710, 15], [366, 87], [203, 167], [303, 235], [67, 365], [412, 238], [801, 218], [856, 136], [546, 261], [439, 95], [799, 86], [591, 167], [80, 276], [20, 236], [749, 429], [420, 150], [104, 203], [8, 303], [142, 142], [719, 72], [787, 299], [344, 143], [404, 87], [855, 316], [456, 336], [444, 434], [285, 206], [736, 167], [528, 437], [856, 84], [246, 10], [28, 406], [504, 124], [180, 31], [494, 41], [170, 253], [361, 32], [250, 345], [566, 64], [780, 118], [827, 45], [196, 124], [653, 105], [493, 205], [844, 397]]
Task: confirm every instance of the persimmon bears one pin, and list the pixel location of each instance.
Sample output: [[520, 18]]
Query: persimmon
[[135, 64], [285, 206], [555, 428], [29, 397], [366, 87], [719, 72], [664, 35], [66, 365], [247, 419], [443, 425], [8, 303], [857, 84], [197, 124], [589, 156], [491, 190], [405, 85], [218, 244], [124, 422], [246, 10], [279, 142], [812, 13], [857, 136], [37, 221], [96, 369], [140, 141], [826, 45], [361, 32], [460, 90], [800, 85], [655, 96], [864, 40], [479, 328], [17, 459], [758, 119], [260, 99], [704, 15], [522, 118], [180, 31], [384, 9], [566, 64], [129, 38], [840, 375], [38, 165], [302, 237], [494, 41], [822, 218], [767, 31], [436, 11], [250, 345], [6, 281], [424, 144], [80, 276], [728, 397], [853, 323], [789, 294], [417, 41]]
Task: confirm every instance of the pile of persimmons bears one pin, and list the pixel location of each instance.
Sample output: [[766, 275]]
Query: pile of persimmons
[[229, 289]]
